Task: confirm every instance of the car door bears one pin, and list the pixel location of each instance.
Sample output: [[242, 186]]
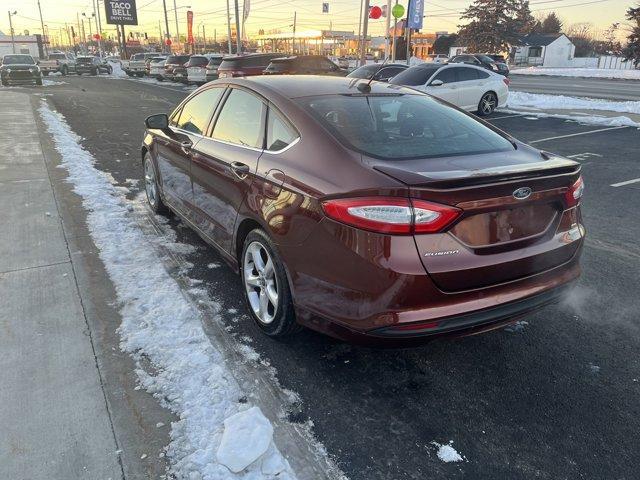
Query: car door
[[225, 163], [449, 90], [470, 87], [174, 148]]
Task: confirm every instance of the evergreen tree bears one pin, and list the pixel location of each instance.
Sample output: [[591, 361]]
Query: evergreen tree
[[551, 24], [495, 24], [632, 50]]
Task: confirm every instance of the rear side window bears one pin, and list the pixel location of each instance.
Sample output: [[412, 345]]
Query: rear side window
[[448, 75], [482, 75], [414, 76], [279, 133], [241, 120], [388, 72], [196, 112], [465, 74]]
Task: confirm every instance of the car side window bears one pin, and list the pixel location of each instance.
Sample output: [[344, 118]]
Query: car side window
[[448, 75], [241, 120], [482, 75], [197, 111], [279, 133], [465, 74], [388, 72]]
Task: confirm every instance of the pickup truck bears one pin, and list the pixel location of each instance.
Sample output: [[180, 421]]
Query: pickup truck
[[58, 62], [138, 65]]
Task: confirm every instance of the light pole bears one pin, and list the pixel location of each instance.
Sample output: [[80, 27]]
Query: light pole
[[13, 40], [89, 17], [96, 11], [238, 41], [46, 52], [175, 12], [167, 47]]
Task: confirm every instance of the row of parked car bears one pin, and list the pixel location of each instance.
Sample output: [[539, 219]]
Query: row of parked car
[[476, 83]]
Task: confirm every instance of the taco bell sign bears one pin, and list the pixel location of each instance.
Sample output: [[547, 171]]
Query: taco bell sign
[[415, 14], [121, 12]]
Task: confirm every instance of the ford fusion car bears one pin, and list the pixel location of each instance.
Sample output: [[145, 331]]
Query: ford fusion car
[[365, 210]]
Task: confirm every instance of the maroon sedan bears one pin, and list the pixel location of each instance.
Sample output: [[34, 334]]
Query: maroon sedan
[[366, 212]]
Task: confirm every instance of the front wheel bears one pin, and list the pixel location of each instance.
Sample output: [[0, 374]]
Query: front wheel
[[64, 71], [151, 187], [266, 287], [39, 82], [488, 104], [109, 70]]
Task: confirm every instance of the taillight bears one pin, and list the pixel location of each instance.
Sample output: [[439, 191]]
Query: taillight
[[574, 194], [506, 81], [392, 215]]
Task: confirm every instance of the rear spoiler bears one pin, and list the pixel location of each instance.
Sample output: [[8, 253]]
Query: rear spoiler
[[467, 178]]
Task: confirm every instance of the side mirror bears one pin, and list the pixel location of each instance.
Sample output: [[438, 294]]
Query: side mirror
[[436, 83], [159, 121]]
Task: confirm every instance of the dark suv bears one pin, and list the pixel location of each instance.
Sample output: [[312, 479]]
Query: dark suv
[[92, 65], [304, 65], [175, 66], [245, 65], [484, 61]]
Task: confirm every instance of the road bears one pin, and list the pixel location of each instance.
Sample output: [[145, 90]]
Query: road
[[555, 397], [580, 87]]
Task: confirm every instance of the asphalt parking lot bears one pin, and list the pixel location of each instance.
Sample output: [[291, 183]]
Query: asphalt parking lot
[[555, 396]]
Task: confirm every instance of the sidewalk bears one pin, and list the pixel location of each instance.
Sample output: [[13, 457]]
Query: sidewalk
[[53, 413]]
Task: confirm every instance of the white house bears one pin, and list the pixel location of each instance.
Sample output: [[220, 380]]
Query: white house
[[29, 44], [547, 50]]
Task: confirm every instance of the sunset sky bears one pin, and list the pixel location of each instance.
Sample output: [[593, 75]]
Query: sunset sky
[[278, 14]]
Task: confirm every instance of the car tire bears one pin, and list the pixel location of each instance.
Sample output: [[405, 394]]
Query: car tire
[[5, 83], [109, 70], [265, 286], [64, 71], [151, 186], [46, 74], [39, 82], [94, 71], [488, 104]]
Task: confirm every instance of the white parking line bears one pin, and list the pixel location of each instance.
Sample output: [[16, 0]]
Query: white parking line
[[577, 134], [506, 116], [628, 182]]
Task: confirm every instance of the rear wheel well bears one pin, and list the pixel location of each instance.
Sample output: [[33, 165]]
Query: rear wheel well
[[246, 226]]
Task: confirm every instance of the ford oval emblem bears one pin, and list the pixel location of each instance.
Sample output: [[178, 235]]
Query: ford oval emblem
[[522, 193]]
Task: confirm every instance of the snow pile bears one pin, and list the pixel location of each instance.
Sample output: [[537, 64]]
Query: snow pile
[[534, 104], [159, 325], [562, 102], [117, 70], [447, 453], [579, 72]]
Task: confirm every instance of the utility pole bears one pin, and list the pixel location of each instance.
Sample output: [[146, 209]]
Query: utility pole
[[160, 32], [166, 47], [175, 13], [359, 42], [45, 40], [407, 32], [365, 26], [13, 40], [393, 45], [386, 33], [204, 40], [238, 40], [96, 12], [293, 42], [229, 28]]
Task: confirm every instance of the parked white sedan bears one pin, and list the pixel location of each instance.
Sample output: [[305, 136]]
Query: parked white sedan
[[156, 67], [470, 88]]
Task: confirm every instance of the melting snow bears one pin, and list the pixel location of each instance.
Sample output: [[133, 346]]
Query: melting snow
[[189, 372], [578, 72], [447, 453]]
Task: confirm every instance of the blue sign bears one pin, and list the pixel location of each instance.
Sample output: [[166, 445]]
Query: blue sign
[[415, 14]]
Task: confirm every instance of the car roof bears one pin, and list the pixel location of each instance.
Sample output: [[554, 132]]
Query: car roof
[[313, 85]]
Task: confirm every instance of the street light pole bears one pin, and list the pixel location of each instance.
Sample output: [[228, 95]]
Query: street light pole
[[13, 40], [96, 11], [166, 48], [175, 13], [46, 50], [238, 41], [365, 26], [229, 28]]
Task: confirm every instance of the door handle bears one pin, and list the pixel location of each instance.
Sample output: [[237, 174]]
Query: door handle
[[241, 170], [186, 146]]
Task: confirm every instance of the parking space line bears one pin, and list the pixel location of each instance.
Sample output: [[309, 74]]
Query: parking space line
[[577, 134], [628, 182], [506, 116]]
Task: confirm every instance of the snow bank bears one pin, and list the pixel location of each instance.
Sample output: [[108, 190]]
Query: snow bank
[[534, 105], [117, 70], [562, 102], [161, 326], [579, 72]]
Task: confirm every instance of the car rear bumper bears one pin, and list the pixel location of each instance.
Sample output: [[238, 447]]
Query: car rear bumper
[[380, 293]]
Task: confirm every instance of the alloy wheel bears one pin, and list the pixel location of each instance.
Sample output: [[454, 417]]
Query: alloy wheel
[[261, 282], [488, 103], [150, 182]]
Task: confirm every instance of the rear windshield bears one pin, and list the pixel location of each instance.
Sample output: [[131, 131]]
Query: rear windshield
[[179, 59], [18, 59], [365, 71], [414, 76], [57, 56], [397, 127], [197, 62], [278, 65], [214, 62], [485, 58], [138, 56]]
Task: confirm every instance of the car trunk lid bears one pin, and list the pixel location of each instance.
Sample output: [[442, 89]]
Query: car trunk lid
[[513, 222]]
